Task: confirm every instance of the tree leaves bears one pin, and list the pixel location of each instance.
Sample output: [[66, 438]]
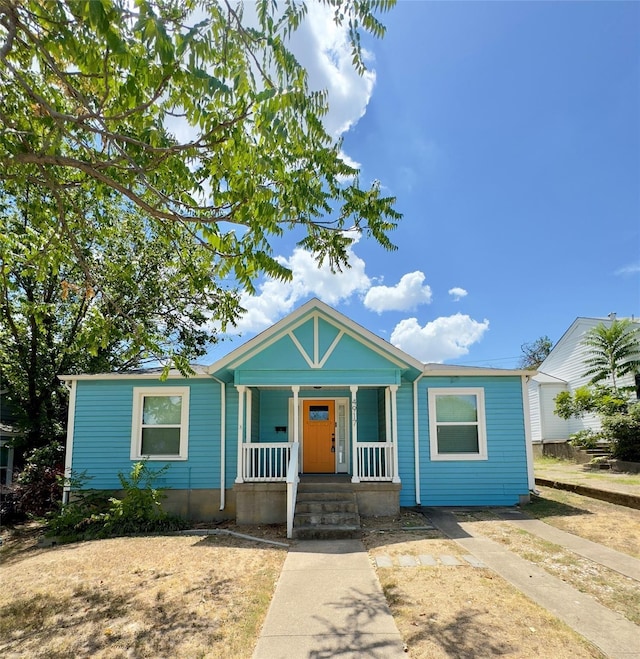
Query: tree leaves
[[186, 111]]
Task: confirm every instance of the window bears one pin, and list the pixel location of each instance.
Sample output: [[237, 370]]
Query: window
[[160, 423], [318, 412], [457, 424]]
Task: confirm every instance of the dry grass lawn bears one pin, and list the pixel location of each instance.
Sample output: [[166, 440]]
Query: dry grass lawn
[[463, 612], [171, 596], [136, 597], [613, 590], [614, 526]]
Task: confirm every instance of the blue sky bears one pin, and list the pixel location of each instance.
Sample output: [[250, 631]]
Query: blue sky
[[510, 134]]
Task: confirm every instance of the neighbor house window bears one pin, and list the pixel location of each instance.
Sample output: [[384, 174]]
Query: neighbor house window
[[457, 424], [160, 423]]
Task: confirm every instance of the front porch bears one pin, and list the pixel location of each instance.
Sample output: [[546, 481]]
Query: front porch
[[360, 425]]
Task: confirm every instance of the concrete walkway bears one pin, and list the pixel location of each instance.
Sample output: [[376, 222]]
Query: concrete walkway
[[613, 634], [328, 603]]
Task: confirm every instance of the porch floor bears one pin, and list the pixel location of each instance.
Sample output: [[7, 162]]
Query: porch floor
[[325, 478]]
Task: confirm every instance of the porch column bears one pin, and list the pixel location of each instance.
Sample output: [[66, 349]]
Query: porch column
[[355, 478], [241, 389], [295, 389], [394, 431]]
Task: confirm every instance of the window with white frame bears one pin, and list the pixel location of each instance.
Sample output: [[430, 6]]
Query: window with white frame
[[160, 423], [457, 428]]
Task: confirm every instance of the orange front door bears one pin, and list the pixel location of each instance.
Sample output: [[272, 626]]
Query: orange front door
[[318, 436]]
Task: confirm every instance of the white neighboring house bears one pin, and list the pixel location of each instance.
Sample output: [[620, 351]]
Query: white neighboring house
[[563, 370]]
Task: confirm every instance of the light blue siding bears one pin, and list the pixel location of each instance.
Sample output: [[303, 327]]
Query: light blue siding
[[404, 400], [102, 433], [350, 354], [501, 478], [327, 334], [103, 417], [283, 352]]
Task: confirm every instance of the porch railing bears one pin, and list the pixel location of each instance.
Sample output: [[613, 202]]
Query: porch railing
[[267, 462], [292, 487], [374, 461]]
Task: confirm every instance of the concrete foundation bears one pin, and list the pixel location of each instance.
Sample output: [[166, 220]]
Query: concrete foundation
[[261, 503], [199, 505], [266, 503], [377, 499]]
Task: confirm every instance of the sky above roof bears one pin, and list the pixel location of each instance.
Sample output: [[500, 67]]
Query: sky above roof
[[510, 135]]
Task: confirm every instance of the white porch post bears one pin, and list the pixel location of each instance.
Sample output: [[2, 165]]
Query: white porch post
[[241, 389], [296, 413], [247, 416], [394, 431], [387, 415], [355, 478]]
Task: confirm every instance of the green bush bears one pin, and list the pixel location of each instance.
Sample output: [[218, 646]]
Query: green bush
[[624, 432], [585, 439], [92, 515], [39, 484]]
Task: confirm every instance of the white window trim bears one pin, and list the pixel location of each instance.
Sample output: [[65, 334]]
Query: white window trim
[[478, 392], [136, 425]]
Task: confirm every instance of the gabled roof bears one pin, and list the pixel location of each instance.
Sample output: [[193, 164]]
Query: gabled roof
[[584, 323], [151, 373], [453, 369], [545, 378], [302, 314]]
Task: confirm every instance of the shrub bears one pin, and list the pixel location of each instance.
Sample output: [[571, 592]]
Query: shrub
[[585, 439], [39, 484], [92, 515], [140, 509], [624, 432]]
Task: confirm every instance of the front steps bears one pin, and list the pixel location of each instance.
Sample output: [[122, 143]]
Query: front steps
[[326, 509]]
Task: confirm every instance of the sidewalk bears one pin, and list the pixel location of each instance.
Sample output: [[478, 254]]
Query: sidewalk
[[613, 634], [328, 602]]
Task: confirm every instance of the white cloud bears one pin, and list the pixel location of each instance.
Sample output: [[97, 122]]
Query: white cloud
[[323, 49], [277, 298], [457, 293], [627, 270], [441, 339], [407, 294]]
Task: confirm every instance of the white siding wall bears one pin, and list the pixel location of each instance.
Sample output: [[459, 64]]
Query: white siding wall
[[552, 426], [534, 411], [566, 361]]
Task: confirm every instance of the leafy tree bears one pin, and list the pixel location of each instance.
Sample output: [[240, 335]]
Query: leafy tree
[[613, 351], [136, 294], [96, 93], [117, 233], [534, 353]]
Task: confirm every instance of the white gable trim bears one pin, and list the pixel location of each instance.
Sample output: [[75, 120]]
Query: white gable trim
[[299, 317]]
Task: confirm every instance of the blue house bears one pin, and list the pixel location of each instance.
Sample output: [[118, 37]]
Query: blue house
[[314, 397]]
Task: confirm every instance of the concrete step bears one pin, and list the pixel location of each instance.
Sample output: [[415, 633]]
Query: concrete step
[[326, 506], [324, 487], [327, 532], [327, 519], [326, 496], [326, 510]]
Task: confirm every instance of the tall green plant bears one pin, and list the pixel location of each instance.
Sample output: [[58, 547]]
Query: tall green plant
[[612, 351]]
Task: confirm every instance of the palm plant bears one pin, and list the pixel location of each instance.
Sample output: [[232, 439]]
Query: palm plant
[[612, 351]]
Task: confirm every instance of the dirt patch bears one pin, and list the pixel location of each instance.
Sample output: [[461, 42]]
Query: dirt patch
[[463, 611], [164, 596]]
